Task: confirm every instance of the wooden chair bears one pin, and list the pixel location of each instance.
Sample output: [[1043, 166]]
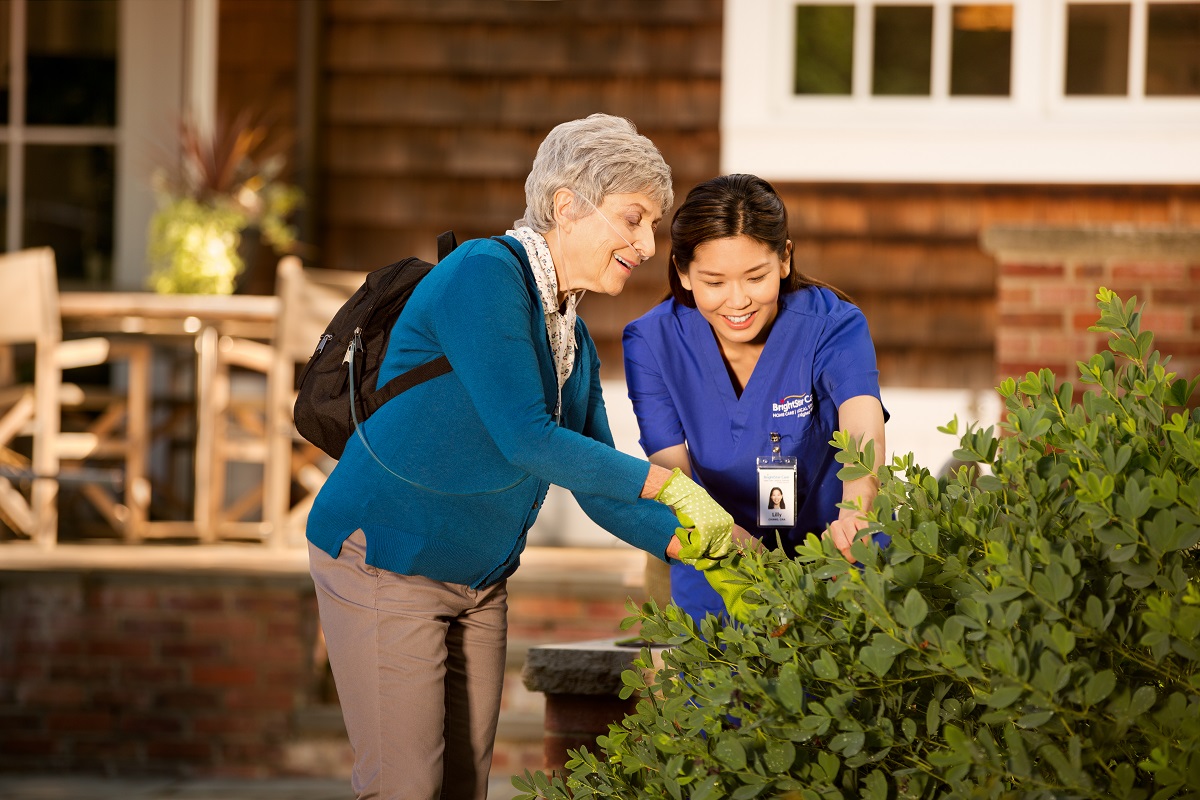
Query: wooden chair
[[308, 300], [116, 427]]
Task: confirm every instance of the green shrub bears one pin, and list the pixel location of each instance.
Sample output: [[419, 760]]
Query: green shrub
[[1032, 631]]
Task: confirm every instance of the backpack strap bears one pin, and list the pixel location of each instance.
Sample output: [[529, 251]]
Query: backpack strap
[[446, 242], [405, 381], [429, 370]]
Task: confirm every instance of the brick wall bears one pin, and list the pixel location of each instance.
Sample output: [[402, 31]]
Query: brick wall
[[1047, 281], [119, 673]]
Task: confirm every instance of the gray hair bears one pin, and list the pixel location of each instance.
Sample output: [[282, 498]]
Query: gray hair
[[596, 156]]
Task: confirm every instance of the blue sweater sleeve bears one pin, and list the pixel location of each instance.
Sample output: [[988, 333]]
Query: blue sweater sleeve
[[647, 525], [484, 329]]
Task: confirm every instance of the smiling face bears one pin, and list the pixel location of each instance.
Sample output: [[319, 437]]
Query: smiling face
[[776, 497], [599, 247], [735, 282]]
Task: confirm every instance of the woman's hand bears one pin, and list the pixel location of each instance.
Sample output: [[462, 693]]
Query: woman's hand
[[845, 531], [712, 525]]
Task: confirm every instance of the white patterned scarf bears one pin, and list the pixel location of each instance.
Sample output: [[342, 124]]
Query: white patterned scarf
[[560, 322]]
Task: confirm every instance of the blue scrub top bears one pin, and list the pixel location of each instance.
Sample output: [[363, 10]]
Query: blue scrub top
[[818, 355]]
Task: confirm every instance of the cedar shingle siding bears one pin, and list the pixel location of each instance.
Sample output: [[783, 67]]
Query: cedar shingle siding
[[428, 114]]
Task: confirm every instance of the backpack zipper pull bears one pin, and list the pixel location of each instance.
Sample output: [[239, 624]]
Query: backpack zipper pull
[[324, 340], [355, 345]]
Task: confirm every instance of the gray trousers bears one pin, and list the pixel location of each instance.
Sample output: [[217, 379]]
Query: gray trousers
[[419, 668]]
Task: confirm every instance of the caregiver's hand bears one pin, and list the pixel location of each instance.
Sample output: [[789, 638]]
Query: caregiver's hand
[[696, 509], [845, 531]]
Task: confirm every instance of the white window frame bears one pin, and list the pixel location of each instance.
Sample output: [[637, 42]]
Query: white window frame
[[1035, 135], [166, 63]]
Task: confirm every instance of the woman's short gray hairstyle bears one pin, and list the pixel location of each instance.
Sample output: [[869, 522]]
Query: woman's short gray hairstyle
[[595, 156]]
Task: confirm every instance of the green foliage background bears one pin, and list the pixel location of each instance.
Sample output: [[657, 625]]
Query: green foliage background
[[1031, 632]]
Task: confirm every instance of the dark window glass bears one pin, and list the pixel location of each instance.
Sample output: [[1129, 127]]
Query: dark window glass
[[1097, 49], [72, 62], [981, 51], [824, 50], [5, 66], [903, 61], [69, 197], [1173, 49]]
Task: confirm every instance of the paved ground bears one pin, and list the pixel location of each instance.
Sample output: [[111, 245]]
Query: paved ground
[[76, 788]]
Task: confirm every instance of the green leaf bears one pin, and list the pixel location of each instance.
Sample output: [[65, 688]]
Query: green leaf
[[790, 689], [825, 667], [914, 610], [1099, 686], [1036, 719], [730, 752], [780, 755], [1005, 696], [848, 743], [925, 537]]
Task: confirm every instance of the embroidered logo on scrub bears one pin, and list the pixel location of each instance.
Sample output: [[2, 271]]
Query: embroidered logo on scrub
[[794, 405]]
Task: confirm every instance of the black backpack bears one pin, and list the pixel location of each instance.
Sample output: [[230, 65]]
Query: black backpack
[[331, 402]]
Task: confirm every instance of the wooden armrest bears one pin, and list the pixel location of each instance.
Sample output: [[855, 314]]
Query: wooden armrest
[[246, 353]]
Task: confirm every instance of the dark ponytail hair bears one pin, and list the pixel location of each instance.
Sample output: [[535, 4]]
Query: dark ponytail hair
[[728, 206]]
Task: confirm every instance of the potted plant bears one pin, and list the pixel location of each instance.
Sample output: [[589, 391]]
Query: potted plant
[[226, 184]]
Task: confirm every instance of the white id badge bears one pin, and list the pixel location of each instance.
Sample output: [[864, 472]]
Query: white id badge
[[776, 488]]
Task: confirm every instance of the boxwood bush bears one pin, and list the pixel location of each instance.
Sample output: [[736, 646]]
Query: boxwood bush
[[1032, 631]]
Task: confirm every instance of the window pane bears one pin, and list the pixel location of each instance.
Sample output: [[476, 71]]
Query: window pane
[[69, 207], [5, 66], [72, 62], [824, 49], [1097, 49], [903, 50], [981, 51], [1173, 49]]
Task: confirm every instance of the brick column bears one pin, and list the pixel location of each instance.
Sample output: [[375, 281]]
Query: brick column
[[1047, 281], [582, 684]]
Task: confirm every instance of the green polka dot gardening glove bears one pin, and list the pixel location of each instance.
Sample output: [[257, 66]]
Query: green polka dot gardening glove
[[712, 534], [731, 586]]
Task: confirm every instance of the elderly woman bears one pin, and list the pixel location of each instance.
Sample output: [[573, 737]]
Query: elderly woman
[[410, 560]]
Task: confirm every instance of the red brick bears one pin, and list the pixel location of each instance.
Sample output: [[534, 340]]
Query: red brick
[[259, 699], [193, 651], [223, 628], [51, 695], [89, 671], [122, 597], [584, 714], [1164, 321], [151, 723], [207, 675], [1088, 273], [262, 602], [1032, 270], [1030, 319], [80, 721], [125, 649], [192, 600], [28, 746], [1151, 271], [187, 750], [151, 674], [1013, 294], [1063, 296], [183, 698], [157, 628]]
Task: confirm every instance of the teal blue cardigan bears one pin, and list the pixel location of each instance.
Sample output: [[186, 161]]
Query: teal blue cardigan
[[477, 448]]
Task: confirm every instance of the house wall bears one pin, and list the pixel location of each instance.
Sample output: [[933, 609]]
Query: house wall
[[428, 114], [909, 255]]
